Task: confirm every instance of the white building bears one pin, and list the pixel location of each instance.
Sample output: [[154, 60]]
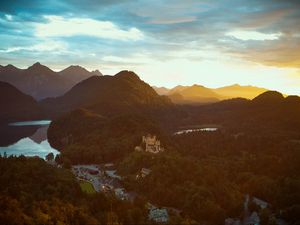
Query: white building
[[152, 144], [159, 215]]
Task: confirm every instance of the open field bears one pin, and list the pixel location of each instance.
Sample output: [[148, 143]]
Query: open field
[[87, 187]]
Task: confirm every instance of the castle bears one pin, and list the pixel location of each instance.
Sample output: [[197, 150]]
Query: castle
[[152, 144]]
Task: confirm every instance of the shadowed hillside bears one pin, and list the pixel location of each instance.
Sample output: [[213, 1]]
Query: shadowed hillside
[[16, 105], [268, 113], [110, 95]]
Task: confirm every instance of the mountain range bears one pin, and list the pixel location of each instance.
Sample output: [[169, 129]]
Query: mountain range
[[125, 93], [41, 82], [197, 94]]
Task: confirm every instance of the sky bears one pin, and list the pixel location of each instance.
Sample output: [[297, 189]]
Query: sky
[[166, 42]]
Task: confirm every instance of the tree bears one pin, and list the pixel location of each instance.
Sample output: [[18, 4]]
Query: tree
[[50, 157], [67, 163], [58, 159]]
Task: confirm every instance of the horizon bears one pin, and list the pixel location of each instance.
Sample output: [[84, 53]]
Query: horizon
[[214, 44], [169, 88]]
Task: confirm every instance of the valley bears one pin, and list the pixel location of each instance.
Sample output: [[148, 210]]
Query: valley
[[164, 112], [211, 155]]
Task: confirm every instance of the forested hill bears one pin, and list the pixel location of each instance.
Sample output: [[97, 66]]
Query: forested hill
[[110, 95], [87, 137], [34, 192], [270, 113]]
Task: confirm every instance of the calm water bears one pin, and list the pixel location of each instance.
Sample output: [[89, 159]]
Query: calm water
[[31, 123], [32, 143], [205, 129]]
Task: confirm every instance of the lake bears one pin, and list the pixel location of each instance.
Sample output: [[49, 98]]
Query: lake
[[28, 138], [204, 129]]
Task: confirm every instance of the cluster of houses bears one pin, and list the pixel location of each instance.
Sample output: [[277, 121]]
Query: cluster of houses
[[104, 178], [251, 218]]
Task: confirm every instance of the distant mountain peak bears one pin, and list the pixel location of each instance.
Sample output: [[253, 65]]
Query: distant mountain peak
[[10, 67], [75, 68], [237, 90], [97, 72], [76, 71], [161, 90], [38, 67], [197, 86]]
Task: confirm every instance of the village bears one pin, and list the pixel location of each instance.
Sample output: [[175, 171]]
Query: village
[[104, 178]]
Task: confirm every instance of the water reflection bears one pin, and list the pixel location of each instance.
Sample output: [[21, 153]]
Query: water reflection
[[31, 123], [10, 134], [27, 138]]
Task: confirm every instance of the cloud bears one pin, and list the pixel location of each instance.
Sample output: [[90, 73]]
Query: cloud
[[159, 38], [8, 17], [57, 26], [252, 35], [283, 52], [265, 18], [46, 46], [173, 20]]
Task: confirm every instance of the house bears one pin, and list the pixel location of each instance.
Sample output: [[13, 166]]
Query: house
[[121, 194], [92, 171], [115, 183], [112, 174], [159, 215], [143, 173], [109, 165], [152, 144], [106, 188]]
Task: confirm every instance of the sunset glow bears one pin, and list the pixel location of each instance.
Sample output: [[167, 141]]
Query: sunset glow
[[167, 44]]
